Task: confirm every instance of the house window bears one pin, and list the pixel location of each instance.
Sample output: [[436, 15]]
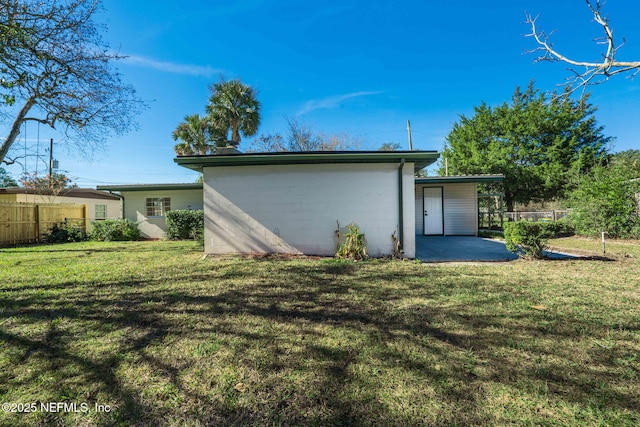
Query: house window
[[101, 212], [158, 206]]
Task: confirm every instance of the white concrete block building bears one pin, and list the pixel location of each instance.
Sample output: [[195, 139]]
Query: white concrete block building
[[293, 202]]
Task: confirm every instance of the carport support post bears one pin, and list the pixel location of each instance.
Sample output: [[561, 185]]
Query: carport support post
[[401, 207], [501, 212]]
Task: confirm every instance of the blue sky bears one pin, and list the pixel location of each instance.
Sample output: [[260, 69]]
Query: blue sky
[[356, 67]]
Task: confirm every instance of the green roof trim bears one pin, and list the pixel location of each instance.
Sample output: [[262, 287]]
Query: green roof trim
[[151, 187], [421, 159], [459, 179]]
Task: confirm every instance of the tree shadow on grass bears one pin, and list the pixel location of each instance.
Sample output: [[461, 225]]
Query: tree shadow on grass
[[303, 344], [94, 247]]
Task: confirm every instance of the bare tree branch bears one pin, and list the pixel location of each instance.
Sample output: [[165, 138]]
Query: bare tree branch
[[55, 69], [587, 72]]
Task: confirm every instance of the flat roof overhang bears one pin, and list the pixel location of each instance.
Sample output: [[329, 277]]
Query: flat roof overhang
[[151, 187], [459, 179], [86, 193], [421, 159]]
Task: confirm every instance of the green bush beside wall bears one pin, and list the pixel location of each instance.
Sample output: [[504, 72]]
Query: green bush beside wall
[[64, 233], [115, 230], [185, 224]]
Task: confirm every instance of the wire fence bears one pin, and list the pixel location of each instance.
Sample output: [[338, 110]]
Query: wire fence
[[493, 219], [544, 216]]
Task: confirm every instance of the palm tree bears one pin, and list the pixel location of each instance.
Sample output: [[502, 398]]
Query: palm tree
[[198, 136], [233, 106]]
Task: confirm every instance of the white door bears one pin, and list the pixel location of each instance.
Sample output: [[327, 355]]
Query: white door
[[433, 219]]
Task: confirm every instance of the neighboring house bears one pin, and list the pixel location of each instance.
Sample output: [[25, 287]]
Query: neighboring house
[[146, 204], [293, 202], [100, 204]]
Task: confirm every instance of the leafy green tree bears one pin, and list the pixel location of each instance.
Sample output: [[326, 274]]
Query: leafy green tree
[[197, 136], [6, 180], [540, 143], [629, 159], [49, 184], [56, 70], [233, 107], [607, 199]]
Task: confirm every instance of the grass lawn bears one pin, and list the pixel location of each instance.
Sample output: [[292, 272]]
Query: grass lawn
[[613, 248], [160, 336]]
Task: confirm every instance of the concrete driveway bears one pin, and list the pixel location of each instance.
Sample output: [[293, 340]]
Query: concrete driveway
[[461, 248]]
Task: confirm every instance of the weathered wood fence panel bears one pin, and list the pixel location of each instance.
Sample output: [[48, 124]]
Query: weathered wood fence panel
[[22, 223]]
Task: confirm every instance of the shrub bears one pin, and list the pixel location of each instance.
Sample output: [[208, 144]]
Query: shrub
[[560, 228], [185, 224], [115, 230], [531, 239], [353, 247], [606, 200], [64, 233]]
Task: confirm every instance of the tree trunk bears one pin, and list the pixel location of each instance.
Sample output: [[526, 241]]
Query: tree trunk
[[15, 128], [235, 133], [509, 201]]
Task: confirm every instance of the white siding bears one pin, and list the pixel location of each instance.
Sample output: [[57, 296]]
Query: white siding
[[294, 208], [461, 211], [155, 227], [460, 208]]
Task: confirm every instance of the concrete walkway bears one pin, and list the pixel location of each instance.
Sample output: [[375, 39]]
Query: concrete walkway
[[461, 248]]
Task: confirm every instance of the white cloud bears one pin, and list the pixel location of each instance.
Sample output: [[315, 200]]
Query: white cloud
[[332, 101], [172, 67]]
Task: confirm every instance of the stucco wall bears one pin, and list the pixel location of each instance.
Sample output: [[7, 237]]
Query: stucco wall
[[294, 208], [155, 227], [460, 208]]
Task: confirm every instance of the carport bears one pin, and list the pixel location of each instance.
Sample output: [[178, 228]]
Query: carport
[[448, 205], [461, 248]]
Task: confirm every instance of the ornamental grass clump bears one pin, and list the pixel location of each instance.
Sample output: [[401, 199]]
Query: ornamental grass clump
[[353, 247]]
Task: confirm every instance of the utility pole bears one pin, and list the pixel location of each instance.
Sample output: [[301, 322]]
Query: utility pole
[[409, 135], [51, 159]]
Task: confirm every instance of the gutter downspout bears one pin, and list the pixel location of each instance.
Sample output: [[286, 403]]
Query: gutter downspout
[[401, 207]]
